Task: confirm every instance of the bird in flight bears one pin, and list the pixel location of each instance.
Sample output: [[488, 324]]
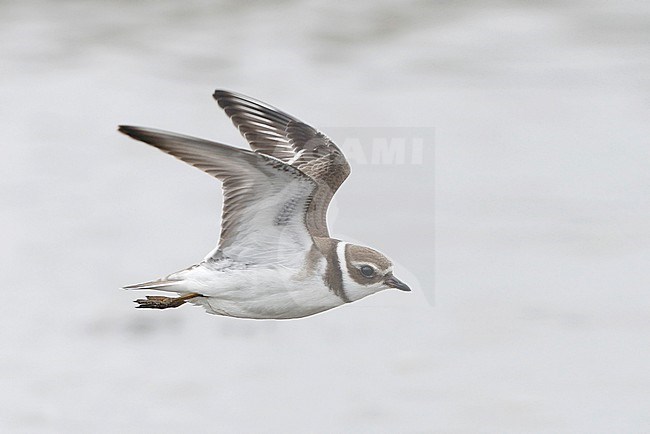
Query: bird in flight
[[275, 258]]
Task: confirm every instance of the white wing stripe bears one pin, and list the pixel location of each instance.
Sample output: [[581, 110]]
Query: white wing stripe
[[265, 200]]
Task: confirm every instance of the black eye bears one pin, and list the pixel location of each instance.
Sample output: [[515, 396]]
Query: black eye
[[367, 270]]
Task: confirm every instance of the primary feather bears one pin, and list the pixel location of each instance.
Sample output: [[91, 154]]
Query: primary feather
[[265, 200], [273, 132]]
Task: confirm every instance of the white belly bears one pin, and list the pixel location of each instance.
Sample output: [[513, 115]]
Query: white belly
[[261, 293]]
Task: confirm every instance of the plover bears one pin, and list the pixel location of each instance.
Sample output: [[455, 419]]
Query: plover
[[275, 258]]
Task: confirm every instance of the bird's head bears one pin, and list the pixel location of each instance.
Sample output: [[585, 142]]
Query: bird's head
[[366, 271]]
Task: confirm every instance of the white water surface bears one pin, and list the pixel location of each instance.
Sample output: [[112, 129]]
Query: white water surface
[[524, 229]]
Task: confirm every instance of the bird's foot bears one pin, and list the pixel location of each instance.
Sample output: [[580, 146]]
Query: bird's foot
[[161, 302]]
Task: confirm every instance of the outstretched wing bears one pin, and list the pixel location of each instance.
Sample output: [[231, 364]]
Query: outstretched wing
[[265, 200], [272, 132]]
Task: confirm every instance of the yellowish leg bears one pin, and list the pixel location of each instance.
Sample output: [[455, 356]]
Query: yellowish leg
[[161, 302]]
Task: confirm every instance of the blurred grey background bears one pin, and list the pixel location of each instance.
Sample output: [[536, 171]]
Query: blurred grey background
[[528, 254]]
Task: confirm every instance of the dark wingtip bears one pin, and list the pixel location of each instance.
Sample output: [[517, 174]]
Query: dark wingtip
[[136, 133], [220, 94], [127, 129]]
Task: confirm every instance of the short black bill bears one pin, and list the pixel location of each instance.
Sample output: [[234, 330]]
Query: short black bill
[[394, 282]]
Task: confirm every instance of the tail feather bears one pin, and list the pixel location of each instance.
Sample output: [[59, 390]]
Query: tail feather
[[160, 285]]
